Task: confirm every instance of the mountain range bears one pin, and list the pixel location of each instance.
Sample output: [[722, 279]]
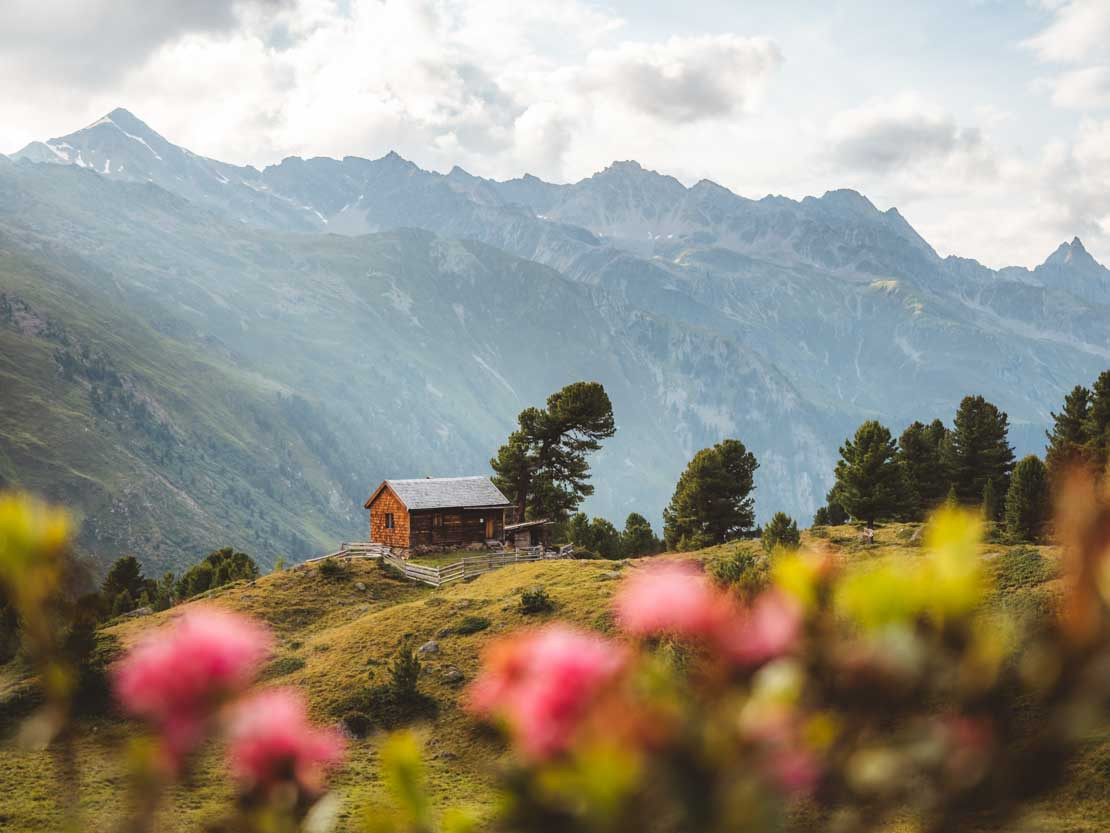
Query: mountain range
[[197, 353]]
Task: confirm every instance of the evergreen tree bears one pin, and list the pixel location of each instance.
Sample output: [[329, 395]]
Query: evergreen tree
[[979, 450], [125, 574], [122, 603], [605, 538], [219, 567], [638, 538], [992, 502], [1067, 441], [1027, 501], [821, 516], [712, 501], [868, 478], [781, 531], [1097, 424], [920, 456], [543, 466]]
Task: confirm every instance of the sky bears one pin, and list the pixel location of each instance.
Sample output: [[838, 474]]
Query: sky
[[986, 122]]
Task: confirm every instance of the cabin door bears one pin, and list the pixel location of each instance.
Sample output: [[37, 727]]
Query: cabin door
[[489, 528]]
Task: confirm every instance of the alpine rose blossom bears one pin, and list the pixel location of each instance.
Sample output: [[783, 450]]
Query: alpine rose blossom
[[768, 629], [672, 599], [543, 683], [271, 740], [177, 677]]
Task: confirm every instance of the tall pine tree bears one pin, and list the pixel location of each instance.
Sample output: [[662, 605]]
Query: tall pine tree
[[713, 500], [1097, 424], [979, 450], [868, 479], [1067, 441], [920, 457], [1027, 501], [543, 467]]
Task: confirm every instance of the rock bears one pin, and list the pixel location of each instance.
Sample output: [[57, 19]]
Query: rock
[[477, 547], [360, 586], [139, 611], [442, 632], [428, 648], [609, 574], [462, 604], [452, 676]]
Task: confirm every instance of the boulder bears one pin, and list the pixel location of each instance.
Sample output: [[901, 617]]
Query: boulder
[[452, 675], [360, 586], [429, 648]]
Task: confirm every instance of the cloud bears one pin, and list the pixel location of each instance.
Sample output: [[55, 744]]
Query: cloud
[[1081, 89], [1079, 29], [684, 78], [90, 42], [905, 132]]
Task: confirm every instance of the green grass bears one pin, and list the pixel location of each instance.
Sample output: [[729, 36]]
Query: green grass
[[335, 640]]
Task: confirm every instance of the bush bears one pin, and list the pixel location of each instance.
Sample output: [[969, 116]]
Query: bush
[[333, 568], [742, 572], [404, 674], [1022, 567], [536, 600], [471, 624], [782, 531], [357, 724], [282, 666], [586, 555]]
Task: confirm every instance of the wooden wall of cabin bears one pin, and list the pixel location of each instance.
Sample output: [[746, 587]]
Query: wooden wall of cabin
[[398, 536], [455, 527]]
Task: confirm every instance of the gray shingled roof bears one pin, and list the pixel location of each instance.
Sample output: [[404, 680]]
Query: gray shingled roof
[[448, 492]]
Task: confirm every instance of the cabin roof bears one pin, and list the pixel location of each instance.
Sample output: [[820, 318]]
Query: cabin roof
[[528, 524], [444, 493]]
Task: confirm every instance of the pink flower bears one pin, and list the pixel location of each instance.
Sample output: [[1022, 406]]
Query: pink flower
[[796, 770], [270, 740], [177, 678], [543, 684], [768, 629], [673, 598]]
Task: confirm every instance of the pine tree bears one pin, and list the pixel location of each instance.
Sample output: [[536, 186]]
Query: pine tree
[[638, 538], [781, 531], [1097, 424], [868, 478], [992, 504], [712, 501], [543, 466], [125, 574], [979, 450], [1067, 441], [920, 456], [1027, 501]]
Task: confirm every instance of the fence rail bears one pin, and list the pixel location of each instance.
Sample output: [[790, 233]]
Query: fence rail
[[468, 567]]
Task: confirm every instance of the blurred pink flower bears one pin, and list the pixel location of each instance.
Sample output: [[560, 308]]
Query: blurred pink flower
[[271, 740], [768, 629], [673, 598], [177, 677], [795, 769], [542, 684]]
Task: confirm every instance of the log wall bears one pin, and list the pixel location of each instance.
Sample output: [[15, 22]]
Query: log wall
[[456, 527]]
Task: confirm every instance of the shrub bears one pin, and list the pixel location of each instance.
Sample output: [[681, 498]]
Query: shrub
[[1022, 567], [282, 666], [782, 531], [471, 624], [586, 555], [332, 568], [404, 674], [741, 571], [536, 600], [356, 723]]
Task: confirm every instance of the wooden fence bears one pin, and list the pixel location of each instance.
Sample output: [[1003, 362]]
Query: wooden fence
[[469, 567]]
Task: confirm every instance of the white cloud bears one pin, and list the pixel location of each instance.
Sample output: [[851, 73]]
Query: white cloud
[[1081, 89], [1080, 29]]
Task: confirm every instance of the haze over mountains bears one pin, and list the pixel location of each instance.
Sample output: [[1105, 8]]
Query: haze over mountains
[[196, 353]]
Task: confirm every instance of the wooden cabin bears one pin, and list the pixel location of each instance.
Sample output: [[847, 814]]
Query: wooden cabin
[[526, 534], [436, 511]]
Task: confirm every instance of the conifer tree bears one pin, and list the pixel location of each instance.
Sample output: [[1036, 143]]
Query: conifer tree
[[1027, 501], [920, 456], [781, 531], [638, 538], [1097, 424], [543, 466], [1067, 441], [979, 450], [992, 504], [868, 478], [712, 501]]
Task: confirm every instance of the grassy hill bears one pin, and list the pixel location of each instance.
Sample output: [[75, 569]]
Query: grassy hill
[[334, 638]]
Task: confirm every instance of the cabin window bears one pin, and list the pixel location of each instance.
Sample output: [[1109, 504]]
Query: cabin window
[[389, 520], [437, 519]]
